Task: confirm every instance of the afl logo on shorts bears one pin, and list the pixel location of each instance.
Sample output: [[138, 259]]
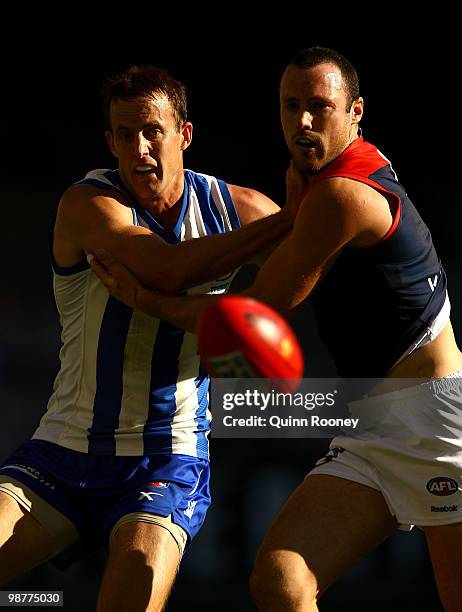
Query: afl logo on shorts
[[442, 486]]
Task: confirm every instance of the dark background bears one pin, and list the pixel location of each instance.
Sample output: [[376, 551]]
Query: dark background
[[52, 134]]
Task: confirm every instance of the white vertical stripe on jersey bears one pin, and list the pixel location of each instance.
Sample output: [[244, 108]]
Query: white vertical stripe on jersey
[[70, 409], [136, 384], [69, 292], [184, 439], [193, 224], [81, 417], [220, 204]]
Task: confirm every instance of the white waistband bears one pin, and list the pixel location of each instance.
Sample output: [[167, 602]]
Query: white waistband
[[431, 332]]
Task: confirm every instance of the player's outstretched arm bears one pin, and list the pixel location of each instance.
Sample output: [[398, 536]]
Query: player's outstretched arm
[[88, 220], [334, 214]]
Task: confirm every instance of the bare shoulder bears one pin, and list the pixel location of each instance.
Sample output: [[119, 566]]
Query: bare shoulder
[[78, 198], [347, 193], [251, 204], [357, 209], [85, 215]]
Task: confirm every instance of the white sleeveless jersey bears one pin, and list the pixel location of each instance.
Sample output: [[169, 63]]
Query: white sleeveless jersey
[[130, 384]]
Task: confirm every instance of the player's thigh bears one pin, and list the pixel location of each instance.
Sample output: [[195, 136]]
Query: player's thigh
[[24, 543], [445, 548], [327, 525], [141, 568]]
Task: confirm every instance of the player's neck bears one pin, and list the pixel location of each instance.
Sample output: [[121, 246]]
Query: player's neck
[[166, 206]]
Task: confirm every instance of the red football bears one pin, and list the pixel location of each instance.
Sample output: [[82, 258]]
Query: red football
[[241, 337]]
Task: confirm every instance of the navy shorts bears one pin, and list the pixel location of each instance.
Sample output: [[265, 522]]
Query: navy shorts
[[95, 491]]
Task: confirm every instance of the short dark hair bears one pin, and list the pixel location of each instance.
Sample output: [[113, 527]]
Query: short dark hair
[[309, 58], [140, 81]]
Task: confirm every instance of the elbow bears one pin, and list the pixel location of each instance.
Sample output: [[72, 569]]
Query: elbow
[[171, 282], [273, 301]]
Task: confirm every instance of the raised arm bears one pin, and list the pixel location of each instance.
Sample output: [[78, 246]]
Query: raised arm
[[89, 219], [336, 213]]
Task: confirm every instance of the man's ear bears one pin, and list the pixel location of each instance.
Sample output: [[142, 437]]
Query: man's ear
[[186, 135], [357, 110]]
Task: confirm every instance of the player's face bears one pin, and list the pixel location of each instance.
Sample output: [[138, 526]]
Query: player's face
[[317, 125], [149, 147]]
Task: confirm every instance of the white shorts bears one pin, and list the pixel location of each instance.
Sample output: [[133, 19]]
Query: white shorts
[[410, 449]]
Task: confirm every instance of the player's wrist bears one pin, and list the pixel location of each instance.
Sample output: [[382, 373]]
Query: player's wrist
[[146, 300]]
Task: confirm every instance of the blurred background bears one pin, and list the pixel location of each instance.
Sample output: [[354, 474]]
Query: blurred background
[[53, 133]]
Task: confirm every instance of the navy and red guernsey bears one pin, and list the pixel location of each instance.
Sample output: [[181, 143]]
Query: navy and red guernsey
[[375, 302]]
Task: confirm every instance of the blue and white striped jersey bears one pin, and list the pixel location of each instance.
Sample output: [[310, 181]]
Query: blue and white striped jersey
[[130, 384]]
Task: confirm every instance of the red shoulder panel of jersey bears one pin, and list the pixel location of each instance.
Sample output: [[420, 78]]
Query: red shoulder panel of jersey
[[358, 162]]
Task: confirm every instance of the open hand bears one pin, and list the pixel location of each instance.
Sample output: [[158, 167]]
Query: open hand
[[117, 279]]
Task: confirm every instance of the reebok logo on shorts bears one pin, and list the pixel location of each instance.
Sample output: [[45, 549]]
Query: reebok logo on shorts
[[444, 508], [442, 486]]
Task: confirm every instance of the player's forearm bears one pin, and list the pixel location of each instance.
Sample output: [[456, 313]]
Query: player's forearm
[[181, 311], [260, 258], [205, 259]]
